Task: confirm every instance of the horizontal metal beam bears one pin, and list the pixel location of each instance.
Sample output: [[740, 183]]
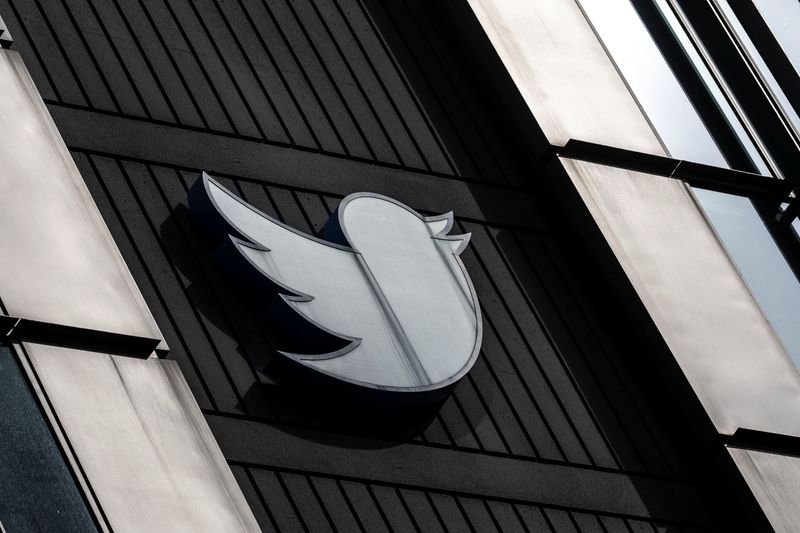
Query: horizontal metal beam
[[695, 174], [236, 157], [762, 440], [16, 329], [456, 472]]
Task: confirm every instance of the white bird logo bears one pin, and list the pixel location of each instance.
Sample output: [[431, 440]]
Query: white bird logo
[[386, 280]]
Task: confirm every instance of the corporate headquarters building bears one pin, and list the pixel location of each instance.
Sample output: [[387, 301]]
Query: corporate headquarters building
[[614, 349]]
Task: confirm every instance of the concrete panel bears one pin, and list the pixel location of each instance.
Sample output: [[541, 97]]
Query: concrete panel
[[564, 74], [58, 262], [775, 481], [142, 442], [695, 295]]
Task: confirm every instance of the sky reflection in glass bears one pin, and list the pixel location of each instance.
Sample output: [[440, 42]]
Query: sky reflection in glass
[[684, 135]]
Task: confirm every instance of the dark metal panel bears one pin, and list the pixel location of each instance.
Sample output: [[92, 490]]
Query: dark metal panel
[[532, 369], [268, 74], [614, 524], [333, 500], [373, 87], [101, 51], [587, 523], [363, 499], [505, 515], [303, 170], [451, 88], [472, 404], [146, 43], [478, 514], [533, 518], [187, 64], [255, 500], [202, 41], [537, 338], [609, 365], [388, 498], [120, 55], [461, 472], [392, 76], [81, 61], [560, 521], [347, 82], [53, 61], [539, 281], [274, 40], [421, 510], [323, 82], [309, 507], [610, 384], [273, 489]]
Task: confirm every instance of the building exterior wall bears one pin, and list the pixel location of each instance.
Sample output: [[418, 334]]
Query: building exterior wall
[[293, 105]]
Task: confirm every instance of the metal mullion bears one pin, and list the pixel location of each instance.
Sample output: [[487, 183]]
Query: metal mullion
[[725, 88], [756, 72], [725, 52], [767, 209], [770, 50], [725, 180], [695, 87], [783, 234]]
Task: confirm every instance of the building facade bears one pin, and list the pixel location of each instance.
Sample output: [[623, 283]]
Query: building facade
[[626, 169]]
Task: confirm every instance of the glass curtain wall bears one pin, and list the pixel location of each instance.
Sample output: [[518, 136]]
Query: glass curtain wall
[[37, 489], [685, 135]]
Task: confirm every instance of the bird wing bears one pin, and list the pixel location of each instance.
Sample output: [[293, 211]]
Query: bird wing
[[294, 262], [326, 284]]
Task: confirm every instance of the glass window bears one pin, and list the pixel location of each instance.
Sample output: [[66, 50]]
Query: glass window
[[715, 85], [782, 103], [759, 260], [651, 81], [37, 490], [783, 18], [672, 114]]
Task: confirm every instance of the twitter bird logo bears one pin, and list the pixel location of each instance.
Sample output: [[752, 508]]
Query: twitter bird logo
[[385, 281]]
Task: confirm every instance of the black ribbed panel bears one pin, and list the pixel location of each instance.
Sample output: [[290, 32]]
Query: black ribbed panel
[[295, 501], [371, 90], [544, 378], [312, 74]]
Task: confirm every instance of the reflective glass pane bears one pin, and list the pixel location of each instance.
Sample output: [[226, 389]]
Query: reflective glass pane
[[760, 261], [782, 103], [673, 116], [783, 18], [652, 81], [715, 84], [37, 490]]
